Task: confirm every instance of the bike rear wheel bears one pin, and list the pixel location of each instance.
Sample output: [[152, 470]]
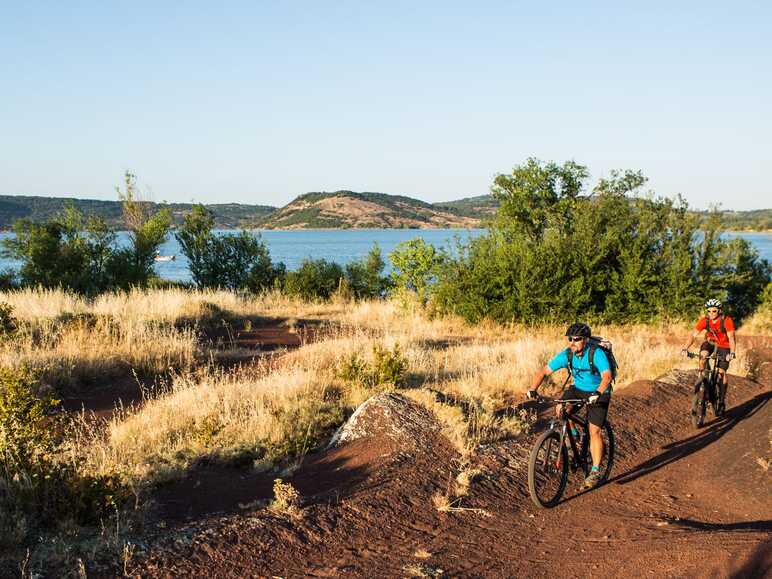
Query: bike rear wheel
[[547, 470], [607, 461]]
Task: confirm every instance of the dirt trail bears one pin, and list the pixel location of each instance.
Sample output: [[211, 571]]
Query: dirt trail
[[681, 503]]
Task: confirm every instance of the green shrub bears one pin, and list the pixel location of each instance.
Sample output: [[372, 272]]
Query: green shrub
[[385, 367], [314, 279], [365, 279], [614, 256], [415, 266], [229, 261], [80, 253], [8, 323], [37, 484]]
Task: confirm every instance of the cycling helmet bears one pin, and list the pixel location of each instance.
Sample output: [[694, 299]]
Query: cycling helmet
[[579, 329], [713, 303]]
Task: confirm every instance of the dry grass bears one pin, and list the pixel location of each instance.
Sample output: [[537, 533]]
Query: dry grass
[[463, 373]]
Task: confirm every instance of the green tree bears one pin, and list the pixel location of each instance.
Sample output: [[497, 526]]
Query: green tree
[[614, 255], [365, 277], [538, 195], [314, 279], [147, 231], [68, 251], [415, 266], [232, 261]]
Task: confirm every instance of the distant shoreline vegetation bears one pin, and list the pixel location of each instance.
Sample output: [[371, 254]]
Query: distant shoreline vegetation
[[324, 212]]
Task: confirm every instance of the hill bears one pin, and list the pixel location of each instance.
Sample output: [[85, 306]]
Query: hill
[[336, 210], [755, 220], [478, 207], [352, 210], [13, 207]]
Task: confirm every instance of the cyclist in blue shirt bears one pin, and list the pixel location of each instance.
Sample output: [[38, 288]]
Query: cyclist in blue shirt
[[594, 386]]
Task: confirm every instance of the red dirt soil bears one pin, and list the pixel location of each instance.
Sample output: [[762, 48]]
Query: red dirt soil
[[680, 503]]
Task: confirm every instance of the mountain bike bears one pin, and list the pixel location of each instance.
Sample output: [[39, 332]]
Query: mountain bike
[[550, 462], [708, 389]]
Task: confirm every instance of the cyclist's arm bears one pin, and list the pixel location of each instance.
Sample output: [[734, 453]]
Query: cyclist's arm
[[539, 376], [605, 380], [732, 342], [696, 334]]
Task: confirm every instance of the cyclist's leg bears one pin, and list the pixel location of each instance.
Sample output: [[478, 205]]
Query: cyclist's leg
[[706, 349], [723, 374], [596, 417]]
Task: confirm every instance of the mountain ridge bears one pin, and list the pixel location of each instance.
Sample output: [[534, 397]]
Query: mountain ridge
[[341, 209]]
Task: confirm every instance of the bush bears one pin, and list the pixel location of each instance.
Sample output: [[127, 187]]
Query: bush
[[8, 322], [80, 253], [239, 261], [416, 264], [385, 367], [553, 255], [314, 279], [36, 482], [365, 278]]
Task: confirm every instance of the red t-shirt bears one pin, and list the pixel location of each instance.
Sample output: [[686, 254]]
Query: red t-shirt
[[715, 334]]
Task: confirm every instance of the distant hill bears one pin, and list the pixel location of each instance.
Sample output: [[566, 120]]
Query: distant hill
[[336, 210], [755, 220], [13, 207], [352, 210], [478, 207]]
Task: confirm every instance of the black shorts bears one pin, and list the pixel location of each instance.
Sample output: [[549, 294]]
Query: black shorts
[[596, 413], [722, 362]]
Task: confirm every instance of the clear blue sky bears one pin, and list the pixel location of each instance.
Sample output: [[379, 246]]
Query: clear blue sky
[[257, 102]]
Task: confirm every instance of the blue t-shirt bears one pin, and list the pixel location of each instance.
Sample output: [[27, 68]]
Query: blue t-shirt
[[584, 378]]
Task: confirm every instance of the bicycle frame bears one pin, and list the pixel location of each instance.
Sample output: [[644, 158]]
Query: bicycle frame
[[575, 405]]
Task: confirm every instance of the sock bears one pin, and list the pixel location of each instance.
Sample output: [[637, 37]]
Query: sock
[[595, 468]]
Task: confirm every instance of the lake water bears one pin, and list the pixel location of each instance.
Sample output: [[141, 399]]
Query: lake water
[[344, 246]]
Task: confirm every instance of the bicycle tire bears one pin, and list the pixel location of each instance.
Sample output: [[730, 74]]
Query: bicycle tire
[[542, 470], [609, 446], [698, 409]]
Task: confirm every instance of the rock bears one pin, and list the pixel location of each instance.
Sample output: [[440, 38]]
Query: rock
[[389, 415]]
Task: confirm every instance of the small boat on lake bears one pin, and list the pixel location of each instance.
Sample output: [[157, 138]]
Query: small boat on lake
[[159, 257]]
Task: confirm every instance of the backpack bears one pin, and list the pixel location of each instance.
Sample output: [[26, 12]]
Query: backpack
[[711, 331], [595, 343]]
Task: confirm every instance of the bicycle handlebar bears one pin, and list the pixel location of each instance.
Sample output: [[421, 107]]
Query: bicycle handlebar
[[712, 356], [548, 400]]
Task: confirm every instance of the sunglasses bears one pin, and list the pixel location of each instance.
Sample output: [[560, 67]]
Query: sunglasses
[[712, 310], [575, 338]]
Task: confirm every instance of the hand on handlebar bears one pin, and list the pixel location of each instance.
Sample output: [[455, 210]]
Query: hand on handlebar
[[593, 398], [532, 394]]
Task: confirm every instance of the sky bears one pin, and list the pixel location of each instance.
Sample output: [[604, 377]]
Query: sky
[[257, 102]]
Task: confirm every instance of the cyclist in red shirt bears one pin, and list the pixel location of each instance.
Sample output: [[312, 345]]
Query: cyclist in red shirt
[[720, 334]]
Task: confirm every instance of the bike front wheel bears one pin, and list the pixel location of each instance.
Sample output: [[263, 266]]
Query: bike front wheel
[[699, 405], [547, 470]]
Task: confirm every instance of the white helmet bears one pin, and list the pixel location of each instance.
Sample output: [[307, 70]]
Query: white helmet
[[713, 303]]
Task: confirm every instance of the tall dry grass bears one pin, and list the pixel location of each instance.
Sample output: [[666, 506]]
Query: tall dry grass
[[71, 338], [266, 412]]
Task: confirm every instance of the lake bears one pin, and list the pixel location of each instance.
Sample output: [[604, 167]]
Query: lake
[[347, 245]]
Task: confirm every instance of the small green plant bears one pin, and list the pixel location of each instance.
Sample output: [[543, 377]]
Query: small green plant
[[287, 499], [8, 323], [385, 367]]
